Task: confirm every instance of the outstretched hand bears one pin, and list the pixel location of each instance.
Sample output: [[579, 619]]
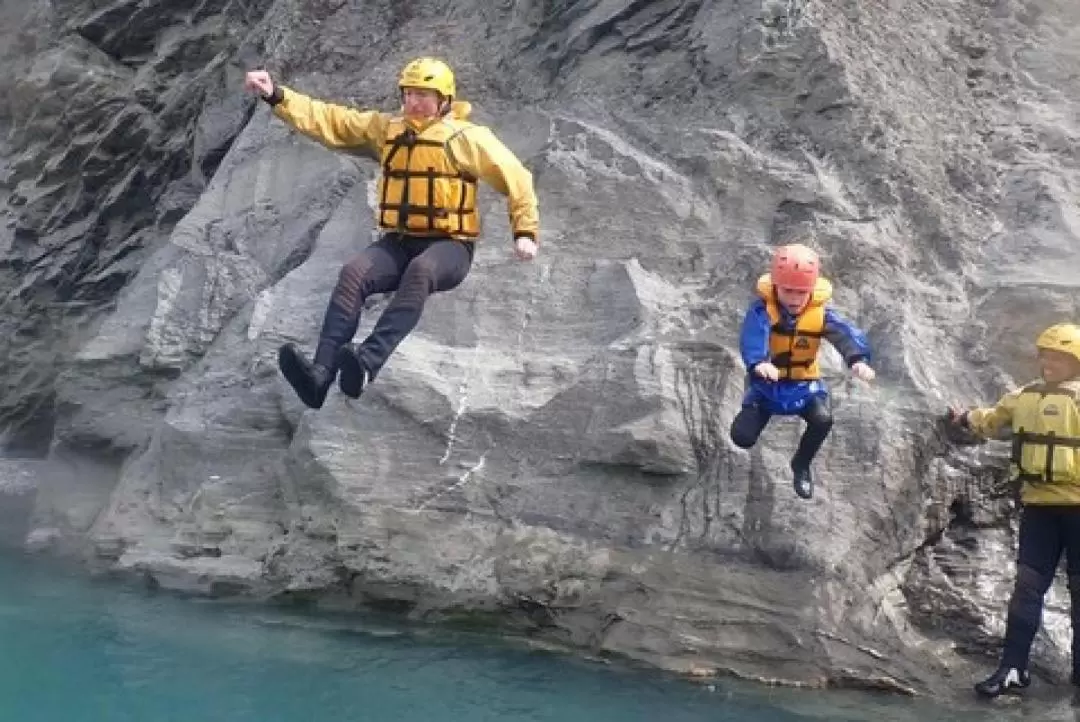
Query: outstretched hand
[[957, 426], [956, 415], [259, 81], [862, 371]]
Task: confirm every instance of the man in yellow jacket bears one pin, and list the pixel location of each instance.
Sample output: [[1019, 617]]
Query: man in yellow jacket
[[1044, 417], [432, 158]]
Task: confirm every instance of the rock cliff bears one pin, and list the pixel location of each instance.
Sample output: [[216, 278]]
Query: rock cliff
[[548, 452]]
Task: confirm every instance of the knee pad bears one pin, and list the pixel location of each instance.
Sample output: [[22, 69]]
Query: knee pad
[[354, 271], [416, 284], [349, 290], [422, 267], [821, 417], [1030, 586]]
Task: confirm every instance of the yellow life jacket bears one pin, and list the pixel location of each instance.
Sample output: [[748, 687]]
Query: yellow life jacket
[[1046, 442], [795, 352], [421, 191]]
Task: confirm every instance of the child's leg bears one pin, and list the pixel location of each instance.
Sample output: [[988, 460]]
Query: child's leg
[[818, 417], [748, 425]]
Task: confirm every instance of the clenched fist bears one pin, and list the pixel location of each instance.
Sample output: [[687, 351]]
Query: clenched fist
[[260, 82], [768, 371], [862, 371], [525, 248]]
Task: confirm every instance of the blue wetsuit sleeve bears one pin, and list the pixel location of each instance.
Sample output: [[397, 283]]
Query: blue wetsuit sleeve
[[754, 337], [849, 340]]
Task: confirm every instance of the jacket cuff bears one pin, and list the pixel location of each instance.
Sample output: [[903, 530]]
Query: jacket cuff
[[856, 359], [526, 234], [275, 97]]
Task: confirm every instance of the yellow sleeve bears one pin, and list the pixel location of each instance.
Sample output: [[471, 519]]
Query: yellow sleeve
[[989, 421], [478, 152], [335, 126]]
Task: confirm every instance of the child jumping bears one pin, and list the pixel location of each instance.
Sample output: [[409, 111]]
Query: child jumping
[[780, 338]]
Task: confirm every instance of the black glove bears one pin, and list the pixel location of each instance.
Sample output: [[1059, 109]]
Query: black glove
[[275, 97]]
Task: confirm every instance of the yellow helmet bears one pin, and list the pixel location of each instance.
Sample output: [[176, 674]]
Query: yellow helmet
[[429, 73], [1064, 337]]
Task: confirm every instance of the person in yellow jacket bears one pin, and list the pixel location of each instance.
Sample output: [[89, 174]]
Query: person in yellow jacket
[[432, 158], [1044, 417]]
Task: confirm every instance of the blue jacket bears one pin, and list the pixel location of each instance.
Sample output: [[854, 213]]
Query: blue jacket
[[787, 396]]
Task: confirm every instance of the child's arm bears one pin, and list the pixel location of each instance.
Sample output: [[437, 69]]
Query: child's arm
[[754, 336], [849, 340]]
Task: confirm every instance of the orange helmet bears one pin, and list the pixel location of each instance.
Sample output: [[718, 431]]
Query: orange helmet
[[795, 266]]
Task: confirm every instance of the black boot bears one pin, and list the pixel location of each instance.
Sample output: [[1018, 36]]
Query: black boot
[[804, 482], [353, 375], [309, 381], [1006, 680]]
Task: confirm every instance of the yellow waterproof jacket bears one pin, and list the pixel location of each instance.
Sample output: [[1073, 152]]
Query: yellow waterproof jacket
[[794, 351], [429, 169], [1045, 422]]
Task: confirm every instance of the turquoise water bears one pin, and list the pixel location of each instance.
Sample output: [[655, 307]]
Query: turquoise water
[[82, 651]]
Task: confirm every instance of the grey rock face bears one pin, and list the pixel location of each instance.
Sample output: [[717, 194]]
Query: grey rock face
[[549, 449], [18, 485], [114, 116]]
